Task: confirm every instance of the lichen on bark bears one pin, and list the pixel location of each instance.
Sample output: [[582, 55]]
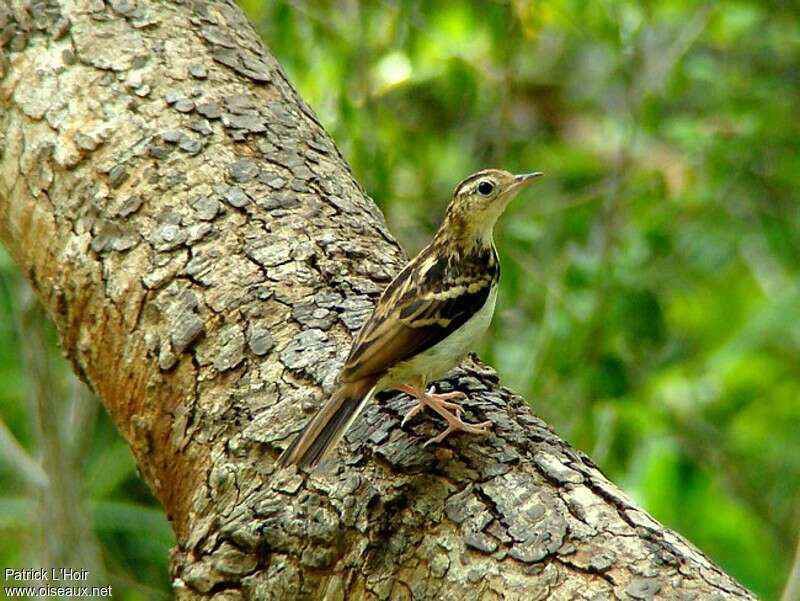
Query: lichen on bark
[[206, 256]]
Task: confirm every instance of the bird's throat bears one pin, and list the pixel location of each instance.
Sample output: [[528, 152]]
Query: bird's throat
[[465, 237]]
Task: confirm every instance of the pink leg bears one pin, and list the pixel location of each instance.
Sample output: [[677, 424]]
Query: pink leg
[[451, 412]]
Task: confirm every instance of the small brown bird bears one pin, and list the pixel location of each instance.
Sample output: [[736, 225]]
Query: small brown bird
[[427, 319]]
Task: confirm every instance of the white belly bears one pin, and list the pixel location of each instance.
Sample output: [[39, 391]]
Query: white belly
[[439, 359]]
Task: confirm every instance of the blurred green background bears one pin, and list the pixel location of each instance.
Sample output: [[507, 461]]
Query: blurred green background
[[650, 305]]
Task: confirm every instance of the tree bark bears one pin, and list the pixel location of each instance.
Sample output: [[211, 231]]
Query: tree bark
[[206, 255]]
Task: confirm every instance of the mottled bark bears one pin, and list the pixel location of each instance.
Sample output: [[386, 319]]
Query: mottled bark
[[206, 256]]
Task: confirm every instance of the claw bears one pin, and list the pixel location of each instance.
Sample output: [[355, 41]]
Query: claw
[[451, 412], [446, 396], [412, 412], [460, 426]]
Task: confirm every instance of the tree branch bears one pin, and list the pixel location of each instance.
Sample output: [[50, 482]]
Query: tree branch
[[206, 256]]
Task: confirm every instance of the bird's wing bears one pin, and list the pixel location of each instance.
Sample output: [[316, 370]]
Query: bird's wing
[[419, 309]]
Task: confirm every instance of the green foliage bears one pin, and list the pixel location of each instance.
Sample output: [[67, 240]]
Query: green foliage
[[128, 526], [650, 305]]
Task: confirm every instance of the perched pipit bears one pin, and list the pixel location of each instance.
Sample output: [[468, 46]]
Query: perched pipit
[[426, 320]]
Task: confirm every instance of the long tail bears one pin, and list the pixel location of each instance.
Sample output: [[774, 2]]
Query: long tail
[[327, 427]]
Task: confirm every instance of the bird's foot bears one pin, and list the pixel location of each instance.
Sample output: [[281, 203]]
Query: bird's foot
[[451, 412], [429, 398], [455, 424], [418, 394]]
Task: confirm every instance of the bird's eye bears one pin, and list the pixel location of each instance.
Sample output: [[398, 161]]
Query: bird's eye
[[485, 187]]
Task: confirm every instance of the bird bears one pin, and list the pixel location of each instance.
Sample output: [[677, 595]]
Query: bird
[[424, 322]]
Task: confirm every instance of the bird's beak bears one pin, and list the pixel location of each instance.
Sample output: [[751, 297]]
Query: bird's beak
[[526, 179]]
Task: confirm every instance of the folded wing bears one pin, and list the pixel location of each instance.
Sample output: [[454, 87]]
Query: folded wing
[[414, 314]]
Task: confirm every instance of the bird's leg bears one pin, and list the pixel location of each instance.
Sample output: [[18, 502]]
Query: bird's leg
[[414, 391], [451, 412], [427, 398]]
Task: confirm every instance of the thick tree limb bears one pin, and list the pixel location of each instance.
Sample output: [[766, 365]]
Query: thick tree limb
[[206, 256]]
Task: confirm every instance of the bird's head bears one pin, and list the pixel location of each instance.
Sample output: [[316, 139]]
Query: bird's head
[[478, 201]]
